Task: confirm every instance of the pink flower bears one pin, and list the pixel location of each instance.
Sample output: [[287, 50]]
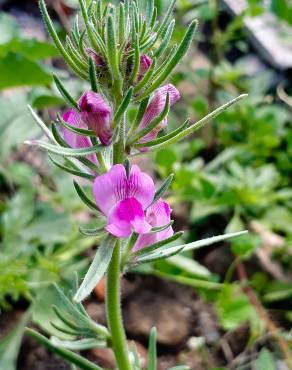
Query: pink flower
[[155, 108], [157, 215], [145, 63], [96, 113], [73, 118], [123, 200]]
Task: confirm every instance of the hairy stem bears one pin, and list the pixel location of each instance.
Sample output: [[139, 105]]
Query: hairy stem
[[114, 312]]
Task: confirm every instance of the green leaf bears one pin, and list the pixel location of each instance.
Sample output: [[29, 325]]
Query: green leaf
[[111, 46], [92, 75], [146, 78], [172, 63], [155, 230], [70, 357], [57, 41], [208, 241], [152, 351], [66, 152], [194, 127], [123, 107], [142, 108], [78, 131], [157, 246], [136, 63], [149, 11], [91, 232], [72, 171], [42, 125], [166, 19], [165, 42], [163, 189], [90, 203], [66, 95], [97, 269], [18, 70], [164, 138], [78, 345]]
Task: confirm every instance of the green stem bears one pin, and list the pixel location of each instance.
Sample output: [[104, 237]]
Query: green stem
[[114, 312]]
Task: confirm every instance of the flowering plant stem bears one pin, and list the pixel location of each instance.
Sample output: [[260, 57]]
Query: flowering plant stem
[[114, 312]]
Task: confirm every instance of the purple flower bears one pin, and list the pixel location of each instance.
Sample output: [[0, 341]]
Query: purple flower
[[73, 118], [156, 107], [123, 200], [96, 113], [145, 63], [157, 215]]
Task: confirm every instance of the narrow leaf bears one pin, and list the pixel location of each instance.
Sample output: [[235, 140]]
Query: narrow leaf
[[73, 171], [123, 107], [198, 124], [181, 51], [56, 39], [90, 203], [92, 75], [152, 350], [70, 357], [78, 345], [164, 138], [42, 125], [215, 239], [97, 269], [149, 11], [157, 246], [165, 42], [91, 232], [66, 95], [66, 152], [163, 189]]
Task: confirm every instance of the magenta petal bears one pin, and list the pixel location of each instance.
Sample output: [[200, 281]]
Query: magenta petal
[[108, 189], [126, 217], [96, 113], [74, 119], [157, 215]]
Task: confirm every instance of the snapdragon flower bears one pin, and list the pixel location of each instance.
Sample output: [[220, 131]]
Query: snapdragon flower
[[156, 107], [73, 118], [123, 200]]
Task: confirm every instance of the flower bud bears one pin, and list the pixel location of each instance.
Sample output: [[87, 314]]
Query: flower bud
[[96, 113], [155, 108], [145, 63], [97, 59]]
